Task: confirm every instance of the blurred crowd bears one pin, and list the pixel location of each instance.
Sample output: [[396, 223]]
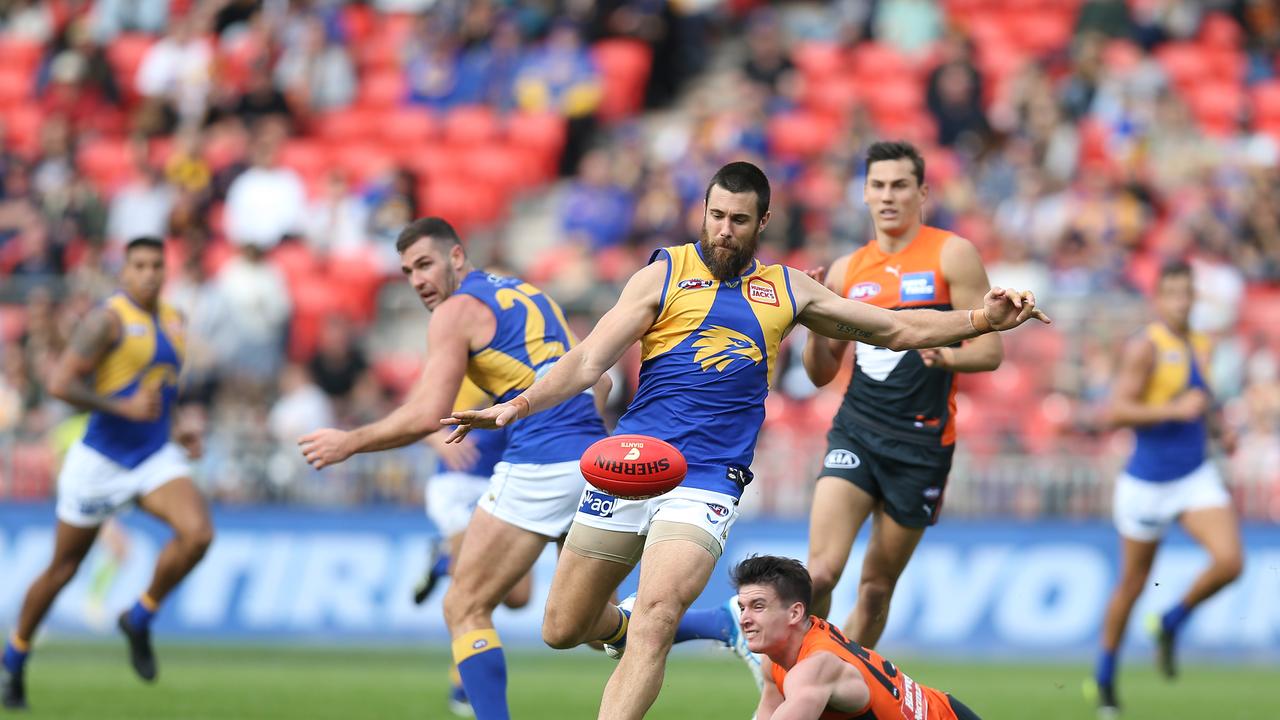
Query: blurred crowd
[[1079, 144]]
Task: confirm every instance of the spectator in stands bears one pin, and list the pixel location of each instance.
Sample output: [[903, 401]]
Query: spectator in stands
[[112, 17], [339, 362], [767, 62], [908, 25], [561, 77], [77, 79], [316, 71], [266, 202], [31, 20], [1108, 17], [141, 208], [336, 221], [392, 203], [261, 100], [595, 207], [247, 321], [434, 72], [176, 75], [492, 65]]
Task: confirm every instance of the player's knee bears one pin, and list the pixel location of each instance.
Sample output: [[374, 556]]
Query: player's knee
[[517, 598], [62, 570], [824, 576], [654, 623], [196, 538], [1229, 566], [874, 594], [560, 635], [462, 605]]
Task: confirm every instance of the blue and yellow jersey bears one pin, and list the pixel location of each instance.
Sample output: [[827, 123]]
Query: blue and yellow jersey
[[531, 334], [707, 361], [148, 354], [489, 443], [1171, 450]]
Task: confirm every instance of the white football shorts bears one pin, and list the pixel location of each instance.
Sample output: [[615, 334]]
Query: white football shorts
[[451, 497], [537, 498], [92, 487], [1143, 510], [711, 511]]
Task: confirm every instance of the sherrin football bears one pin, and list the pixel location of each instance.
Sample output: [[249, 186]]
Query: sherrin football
[[633, 467]]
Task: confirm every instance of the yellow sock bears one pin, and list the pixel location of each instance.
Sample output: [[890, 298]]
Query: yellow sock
[[455, 678], [474, 643], [19, 644], [621, 631], [148, 603]]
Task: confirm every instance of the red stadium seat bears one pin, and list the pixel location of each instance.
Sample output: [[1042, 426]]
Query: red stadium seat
[[800, 134], [21, 54], [374, 55], [16, 87], [383, 90], [1184, 62], [361, 161], [22, 129], [398, 371], [1038, 31], [467, 204], [1217, 107], [108, 163], [873, 62], [357, 22], [471, 125], [836, 96], [1218, 30], [13, 322], [1121, 55], [308, 158], [125, 55], [624, 66], [499, 166], [819, 60], [352, 125], [544, 133], [1266, 102], [221, 150], [359, 277], [434, 162], [408, 126]]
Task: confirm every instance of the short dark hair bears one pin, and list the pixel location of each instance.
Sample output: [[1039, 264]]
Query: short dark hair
[[897, 150], [1174, 268], [787, 576], [144, 241], [436, 228], [739, 177]]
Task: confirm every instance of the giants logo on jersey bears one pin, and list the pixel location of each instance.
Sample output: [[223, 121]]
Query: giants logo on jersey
[[864, 290]]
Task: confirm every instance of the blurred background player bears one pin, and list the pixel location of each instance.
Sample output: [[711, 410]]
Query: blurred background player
[[122, 364], [1161, 392], [710, 318], [815, 671], [462, 476], [890, 445], [501, 332]]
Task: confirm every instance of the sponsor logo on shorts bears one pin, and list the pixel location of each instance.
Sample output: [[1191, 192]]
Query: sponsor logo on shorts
[[864, 290], [918, 286], [95, 507], [694, 284], [716, 513], [480, 644], [932, 493], [762, 291], [739, 475], [597, 504], [842, 459]]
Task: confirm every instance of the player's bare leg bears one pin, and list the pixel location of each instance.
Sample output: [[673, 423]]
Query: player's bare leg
[[494, 556], [70, 546], [888, 553], [672, 575], [1217, 531], [839, 510], [181, 506], [580, 607], [1136, 559]]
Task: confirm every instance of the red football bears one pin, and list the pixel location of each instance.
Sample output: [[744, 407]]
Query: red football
[[633, 467]]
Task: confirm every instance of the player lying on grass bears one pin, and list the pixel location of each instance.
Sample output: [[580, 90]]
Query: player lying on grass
[[815, 672], [710, 318]]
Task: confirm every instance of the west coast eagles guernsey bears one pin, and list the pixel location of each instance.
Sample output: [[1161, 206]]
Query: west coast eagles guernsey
[[707, 360], [148, 354], [1170, 450], [489, 444], [529, 336]]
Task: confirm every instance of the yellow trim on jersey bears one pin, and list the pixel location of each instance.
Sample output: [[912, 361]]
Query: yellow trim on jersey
[[471, 397], [1172, 367], [474, 643], [134, 353]]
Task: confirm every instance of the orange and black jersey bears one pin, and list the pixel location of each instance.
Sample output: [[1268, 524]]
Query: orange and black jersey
[[892, 392], [894, 696]]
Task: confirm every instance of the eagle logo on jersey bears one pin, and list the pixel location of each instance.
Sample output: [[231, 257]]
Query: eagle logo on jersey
[[718, 346]]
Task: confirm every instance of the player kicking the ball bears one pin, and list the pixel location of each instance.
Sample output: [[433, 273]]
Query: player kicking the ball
[[501, 333], [710, 319], [815, 672]]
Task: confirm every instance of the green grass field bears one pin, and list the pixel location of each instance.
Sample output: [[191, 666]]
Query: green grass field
[[234, 682]]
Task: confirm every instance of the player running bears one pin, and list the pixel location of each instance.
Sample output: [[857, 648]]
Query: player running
[[462, 476], [710, 319], [1161, 392], [500, 332], [122, 365], [816, 672], [890, 445]]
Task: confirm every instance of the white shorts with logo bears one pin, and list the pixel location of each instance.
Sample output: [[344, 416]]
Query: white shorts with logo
[[537, 498], [711, 511], [451, 498], [91, 486], [1143, 510]]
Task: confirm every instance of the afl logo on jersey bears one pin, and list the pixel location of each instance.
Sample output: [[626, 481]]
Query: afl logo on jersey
[[864, 290], [694, 284]]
